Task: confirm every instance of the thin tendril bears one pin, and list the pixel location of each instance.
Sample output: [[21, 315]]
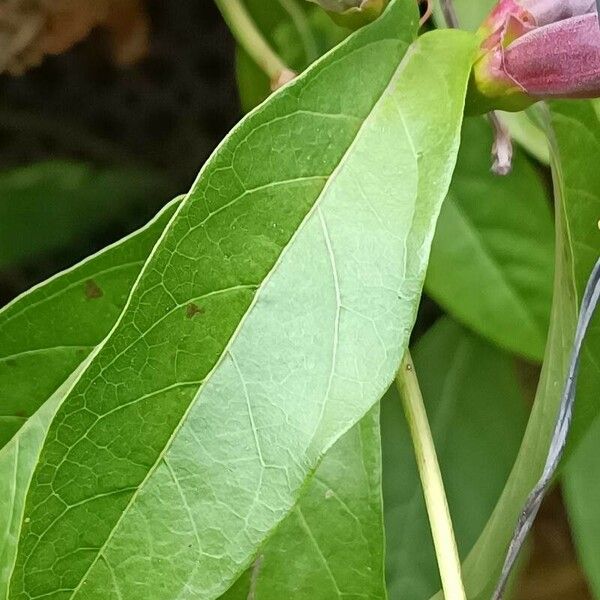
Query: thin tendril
[[428, 12]]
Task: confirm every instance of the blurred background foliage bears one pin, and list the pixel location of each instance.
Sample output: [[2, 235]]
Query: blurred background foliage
[[107, 144], [102, 125]]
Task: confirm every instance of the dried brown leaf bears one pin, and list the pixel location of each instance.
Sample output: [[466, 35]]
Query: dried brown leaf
[[33, 29]]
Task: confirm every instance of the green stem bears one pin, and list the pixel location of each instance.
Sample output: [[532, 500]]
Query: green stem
[[449, 13], [298, 17], [431, 480], [249, 37]]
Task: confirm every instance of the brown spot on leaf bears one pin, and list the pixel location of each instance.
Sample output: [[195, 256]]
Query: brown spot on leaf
[[92, 290], [192, 310]]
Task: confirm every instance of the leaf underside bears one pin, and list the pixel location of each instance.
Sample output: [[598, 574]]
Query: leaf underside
[[331, 545]]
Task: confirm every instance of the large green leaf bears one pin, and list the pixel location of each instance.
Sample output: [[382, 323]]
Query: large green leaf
[[331, 544], [268, 319], [50, 205], [47, 332], [477, 428], [492, 257], [574, 157]]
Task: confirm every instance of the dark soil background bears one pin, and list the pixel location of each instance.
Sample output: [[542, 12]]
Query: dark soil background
[[165, 114]]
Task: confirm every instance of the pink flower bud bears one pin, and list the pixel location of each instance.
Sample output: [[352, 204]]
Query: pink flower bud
[[535, 49], [558, 60]]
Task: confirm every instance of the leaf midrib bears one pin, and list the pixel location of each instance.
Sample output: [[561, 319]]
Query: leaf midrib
[[49, 349]]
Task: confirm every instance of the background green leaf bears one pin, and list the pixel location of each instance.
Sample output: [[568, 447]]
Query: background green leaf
[[267, 321], [48, 206], [48, 356], [576, 148], [47, 332], [581, 487], [492, 256], [577, 244], [577, 141], [478, 415]]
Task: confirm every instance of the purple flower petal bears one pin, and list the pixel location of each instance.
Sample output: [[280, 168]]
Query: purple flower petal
[[561, 59]]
